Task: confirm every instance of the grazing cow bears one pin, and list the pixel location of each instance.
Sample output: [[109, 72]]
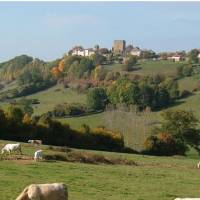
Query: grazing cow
[[38, 155], [12, 147], [54, 191], [35, 142]]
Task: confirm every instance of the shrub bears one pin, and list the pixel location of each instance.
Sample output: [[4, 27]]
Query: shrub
[[185, 93], [187, 71], [127, 68], [131, 61], [164, 144], [1, 86], [85, 157], [66, 109]]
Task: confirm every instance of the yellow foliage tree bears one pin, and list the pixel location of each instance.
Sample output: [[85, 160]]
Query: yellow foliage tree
[[98, 72], [26, 119]]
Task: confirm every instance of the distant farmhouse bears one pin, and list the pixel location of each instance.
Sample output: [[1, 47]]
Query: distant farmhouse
[[119, 47], [176, 57], [136, 52]]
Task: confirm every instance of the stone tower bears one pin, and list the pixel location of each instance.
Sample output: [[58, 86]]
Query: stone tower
[[119, 47]]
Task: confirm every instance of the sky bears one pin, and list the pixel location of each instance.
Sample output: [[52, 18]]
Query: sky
[[47, 30]]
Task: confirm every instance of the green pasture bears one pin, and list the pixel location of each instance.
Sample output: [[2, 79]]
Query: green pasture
[[150, 67], [154, 178]]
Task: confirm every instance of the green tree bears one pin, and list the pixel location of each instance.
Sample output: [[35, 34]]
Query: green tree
[[81, 67], [15, 114], [131, 61], [146, 95], [98, 59], [172, 87], [193, 56], [25, 105], [183, 126], [3, 120], [124, 91], [187, 71], [97, 98]]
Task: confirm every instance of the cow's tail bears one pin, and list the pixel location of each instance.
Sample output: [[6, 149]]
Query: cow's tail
[[23, 195]]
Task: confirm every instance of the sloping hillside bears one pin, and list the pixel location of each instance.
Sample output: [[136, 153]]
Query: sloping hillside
[[12, 69]]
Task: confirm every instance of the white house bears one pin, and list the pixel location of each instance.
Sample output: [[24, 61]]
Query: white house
[[83, 52], [198, 56], [176, 58], [78, 52], [136, 52], [88, 52]]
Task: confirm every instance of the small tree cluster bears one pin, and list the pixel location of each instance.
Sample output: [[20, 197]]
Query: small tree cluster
[[148, 92], [177, 132]]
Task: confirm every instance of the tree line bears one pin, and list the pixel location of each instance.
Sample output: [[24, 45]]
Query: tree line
[[18, 125]]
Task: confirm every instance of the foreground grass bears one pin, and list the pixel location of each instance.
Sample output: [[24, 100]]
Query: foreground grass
[[154, 178]]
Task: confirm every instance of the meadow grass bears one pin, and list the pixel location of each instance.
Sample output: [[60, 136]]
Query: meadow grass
[[150, 67], [51, 97], [93, 120], [154, 178]]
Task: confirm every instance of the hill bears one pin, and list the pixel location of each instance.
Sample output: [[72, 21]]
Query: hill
[[154, 177], [52, 95], [12, 69]]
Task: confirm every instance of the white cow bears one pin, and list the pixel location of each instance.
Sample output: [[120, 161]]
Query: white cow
[[198, 164], [36, 142], [11, 147], [38, 155], [54, 191]]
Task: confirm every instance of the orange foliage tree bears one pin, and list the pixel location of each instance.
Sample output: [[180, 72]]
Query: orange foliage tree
[[61, 66]]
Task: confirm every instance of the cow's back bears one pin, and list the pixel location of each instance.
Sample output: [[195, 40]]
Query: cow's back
[[56, 191]]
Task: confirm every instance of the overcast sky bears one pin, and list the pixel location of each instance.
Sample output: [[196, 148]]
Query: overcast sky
[[49, 29]]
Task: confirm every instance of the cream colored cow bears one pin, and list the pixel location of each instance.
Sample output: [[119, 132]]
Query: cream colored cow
[[54, 191]]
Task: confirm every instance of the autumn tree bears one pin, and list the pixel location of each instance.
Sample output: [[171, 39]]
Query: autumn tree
[[61, 65]]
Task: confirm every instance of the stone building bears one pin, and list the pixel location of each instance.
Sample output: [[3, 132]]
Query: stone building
[[119, 47]]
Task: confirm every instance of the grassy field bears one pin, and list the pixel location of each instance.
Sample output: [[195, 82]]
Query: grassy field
[[93, 120], [53, 96], [150, 67], [154, 178]]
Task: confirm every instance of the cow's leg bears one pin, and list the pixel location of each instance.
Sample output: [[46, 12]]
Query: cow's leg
[[20, 151]]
